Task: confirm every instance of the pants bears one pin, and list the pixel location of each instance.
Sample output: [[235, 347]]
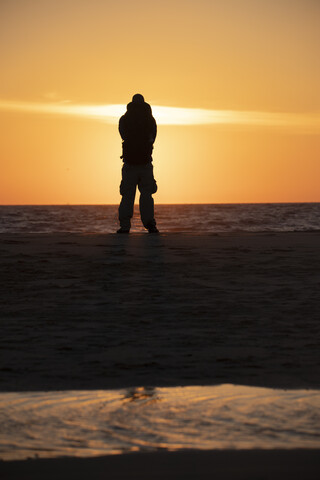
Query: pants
[[133, 176]]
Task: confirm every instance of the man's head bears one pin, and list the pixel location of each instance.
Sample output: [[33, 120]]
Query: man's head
[[138, 106], [138, 98]]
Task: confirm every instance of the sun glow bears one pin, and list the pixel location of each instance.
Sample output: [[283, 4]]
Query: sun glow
[[233, 86]]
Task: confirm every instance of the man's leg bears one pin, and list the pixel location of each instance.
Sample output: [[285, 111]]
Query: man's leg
[[128, 191], [147, 186]]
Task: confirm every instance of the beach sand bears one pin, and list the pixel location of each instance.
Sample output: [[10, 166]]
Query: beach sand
[[190, 465], [109, 311]]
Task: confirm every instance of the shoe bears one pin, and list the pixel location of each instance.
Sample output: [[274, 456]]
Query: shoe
[[153, 229], [123, 230]]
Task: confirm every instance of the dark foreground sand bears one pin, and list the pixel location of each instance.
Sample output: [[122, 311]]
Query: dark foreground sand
[[108, 311], [190, 465]]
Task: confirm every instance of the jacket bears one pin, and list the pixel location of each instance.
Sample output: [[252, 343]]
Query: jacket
[[138, 130]]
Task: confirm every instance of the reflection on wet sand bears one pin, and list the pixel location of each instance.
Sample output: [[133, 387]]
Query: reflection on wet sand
[[144, 419], [141, 393]]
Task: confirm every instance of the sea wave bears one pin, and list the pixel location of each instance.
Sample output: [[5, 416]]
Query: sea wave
[[203, 218]]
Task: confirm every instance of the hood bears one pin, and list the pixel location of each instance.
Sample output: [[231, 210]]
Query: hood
[[139, 108]]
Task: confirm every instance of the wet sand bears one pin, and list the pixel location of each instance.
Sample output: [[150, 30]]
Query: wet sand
[[107, 311], [91, 423]]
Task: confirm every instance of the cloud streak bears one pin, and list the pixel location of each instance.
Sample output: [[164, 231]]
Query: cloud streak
[[309, 123]]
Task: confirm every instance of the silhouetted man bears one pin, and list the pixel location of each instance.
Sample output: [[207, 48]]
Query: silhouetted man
[[138, 130]]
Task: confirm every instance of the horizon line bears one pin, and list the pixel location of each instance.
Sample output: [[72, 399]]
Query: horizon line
[[158, 204]]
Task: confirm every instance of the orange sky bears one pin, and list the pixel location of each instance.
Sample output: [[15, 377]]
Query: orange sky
[[255, 61]]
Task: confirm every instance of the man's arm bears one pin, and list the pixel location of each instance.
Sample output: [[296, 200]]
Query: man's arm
[[153, 129], [122, 128]]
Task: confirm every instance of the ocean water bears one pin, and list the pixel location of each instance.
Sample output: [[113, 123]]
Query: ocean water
[[89, 423], [193, 218]]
